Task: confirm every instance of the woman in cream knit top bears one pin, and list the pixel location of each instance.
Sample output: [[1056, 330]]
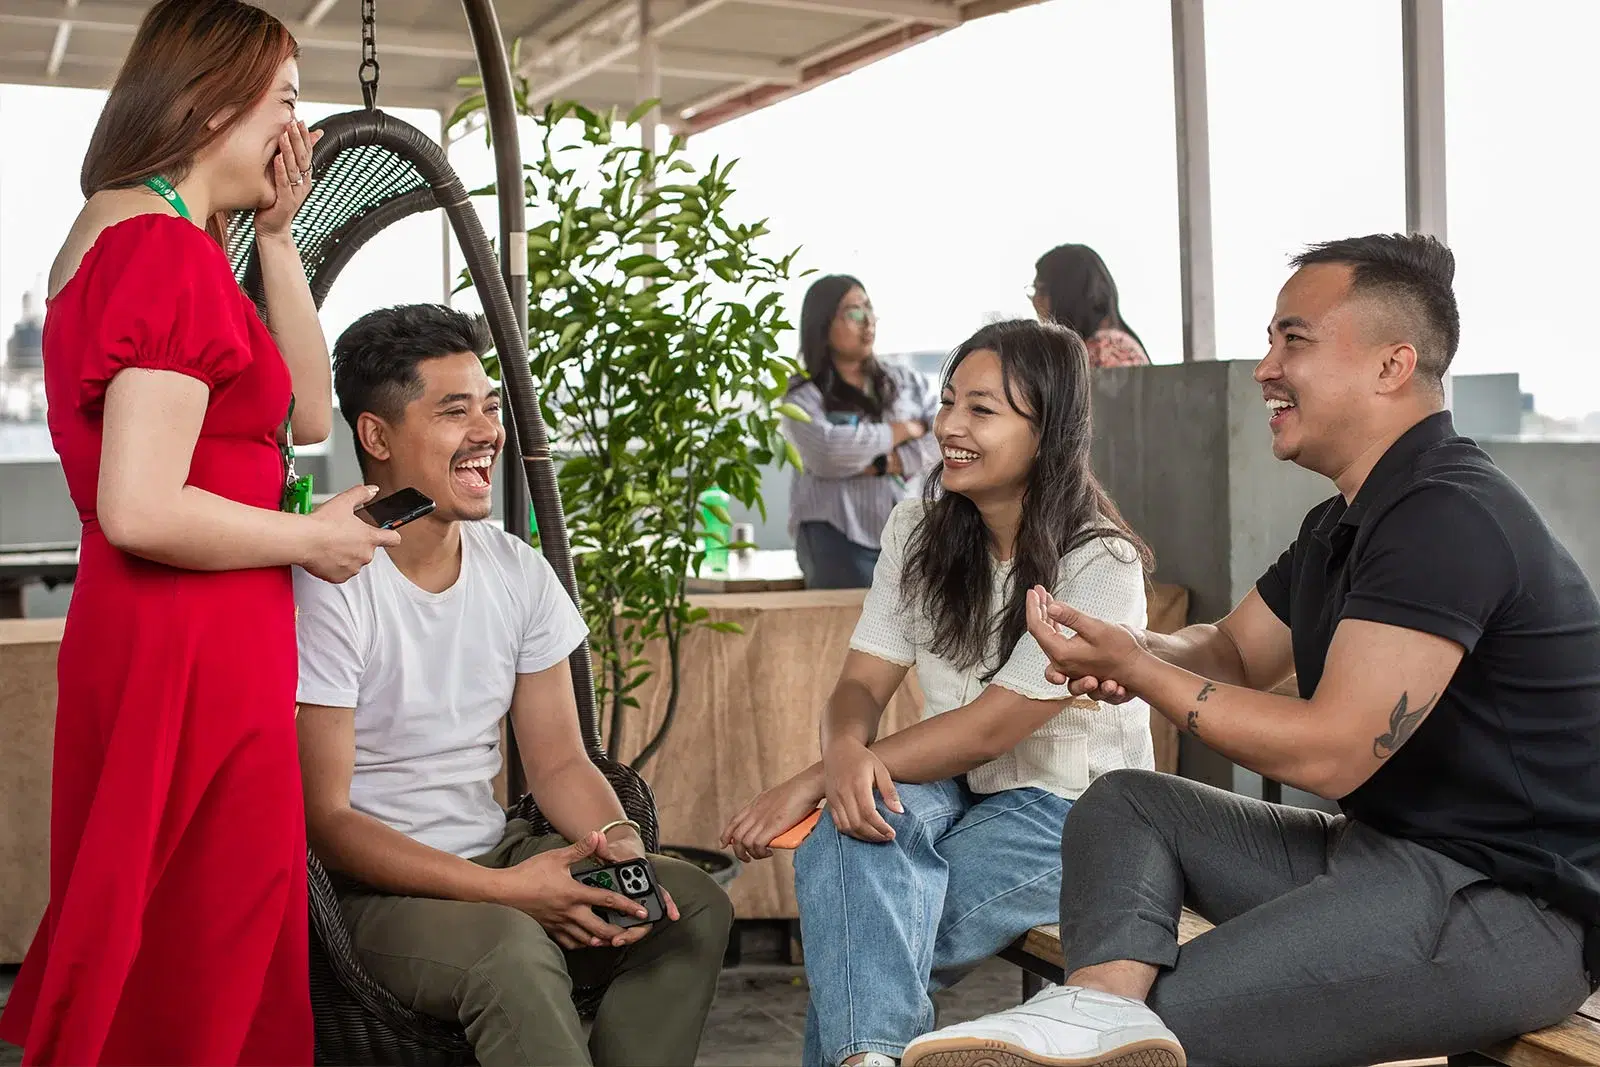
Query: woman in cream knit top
[[1102, 577], [940, 844]]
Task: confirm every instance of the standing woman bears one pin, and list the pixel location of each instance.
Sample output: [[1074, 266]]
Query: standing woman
[[867, 442], [176, 930], [1072, 287]]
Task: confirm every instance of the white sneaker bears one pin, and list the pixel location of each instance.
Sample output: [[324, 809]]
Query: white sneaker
[[876, 1059], [1064, 1026]]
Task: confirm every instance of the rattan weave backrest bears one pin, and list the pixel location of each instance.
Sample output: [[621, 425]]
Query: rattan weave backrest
[[371, 170]]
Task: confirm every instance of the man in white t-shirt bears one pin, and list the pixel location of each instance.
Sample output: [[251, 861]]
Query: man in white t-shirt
[[405, 674]]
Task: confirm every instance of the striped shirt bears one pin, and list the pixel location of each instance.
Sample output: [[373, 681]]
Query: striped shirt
[[836, 449]]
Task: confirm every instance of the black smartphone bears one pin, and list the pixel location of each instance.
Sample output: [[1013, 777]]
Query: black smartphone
[[396, 509], [635, 879]]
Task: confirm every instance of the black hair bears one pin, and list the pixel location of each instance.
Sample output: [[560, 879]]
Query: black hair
[[1045, 372], [1414, 273], [1079, 290], [375, 359], [817, 312]]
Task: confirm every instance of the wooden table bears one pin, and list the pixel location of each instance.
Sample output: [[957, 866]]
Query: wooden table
[[755, 571], [27, 730], [749, 711]]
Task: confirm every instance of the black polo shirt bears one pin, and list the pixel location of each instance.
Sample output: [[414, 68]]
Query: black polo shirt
[[1504, 774]]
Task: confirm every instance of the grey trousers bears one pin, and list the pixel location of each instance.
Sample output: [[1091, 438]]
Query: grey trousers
[[1334, 945]]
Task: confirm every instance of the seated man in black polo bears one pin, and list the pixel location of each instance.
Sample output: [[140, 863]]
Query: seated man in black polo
[[1447, 650]]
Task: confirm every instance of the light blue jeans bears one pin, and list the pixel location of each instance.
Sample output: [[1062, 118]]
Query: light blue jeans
[[884, 925]]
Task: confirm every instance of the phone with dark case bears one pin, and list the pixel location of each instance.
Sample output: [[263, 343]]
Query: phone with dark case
[[634, 879], [396, 509]]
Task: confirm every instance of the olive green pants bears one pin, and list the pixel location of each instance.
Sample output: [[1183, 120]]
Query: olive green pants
[[496, 970]]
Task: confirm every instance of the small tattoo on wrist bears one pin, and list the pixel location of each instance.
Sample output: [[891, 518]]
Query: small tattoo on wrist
[[1205, 691], [1194, 723]]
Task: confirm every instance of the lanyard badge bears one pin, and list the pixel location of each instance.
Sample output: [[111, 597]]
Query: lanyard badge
[[296, 488]]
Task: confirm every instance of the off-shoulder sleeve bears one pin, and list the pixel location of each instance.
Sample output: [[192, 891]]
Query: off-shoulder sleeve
[[166, 300]]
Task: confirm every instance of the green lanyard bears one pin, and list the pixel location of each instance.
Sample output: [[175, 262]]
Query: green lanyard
[[164, 189], [296, 488]]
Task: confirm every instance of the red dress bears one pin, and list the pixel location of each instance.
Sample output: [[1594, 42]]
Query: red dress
[[176, 931]]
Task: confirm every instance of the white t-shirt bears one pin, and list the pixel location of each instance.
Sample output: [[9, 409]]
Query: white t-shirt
[[430, 676], [1102, 578]]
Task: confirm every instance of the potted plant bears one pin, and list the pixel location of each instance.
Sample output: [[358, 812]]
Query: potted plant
[[653, 321]]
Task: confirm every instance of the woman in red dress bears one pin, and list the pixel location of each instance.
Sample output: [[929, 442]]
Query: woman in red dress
[[176, 931]]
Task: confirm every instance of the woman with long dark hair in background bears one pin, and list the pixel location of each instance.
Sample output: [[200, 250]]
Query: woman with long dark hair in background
[[939, 844], [176, 929], [1072, 287], [866, 445]]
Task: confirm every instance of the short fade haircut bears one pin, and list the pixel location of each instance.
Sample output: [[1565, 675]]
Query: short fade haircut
[[1413, 273], [375, 359]]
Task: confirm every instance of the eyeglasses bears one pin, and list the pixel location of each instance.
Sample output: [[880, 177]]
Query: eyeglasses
[[861, 316]]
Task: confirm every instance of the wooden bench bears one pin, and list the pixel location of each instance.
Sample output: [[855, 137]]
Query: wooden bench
[[1575, 1042]]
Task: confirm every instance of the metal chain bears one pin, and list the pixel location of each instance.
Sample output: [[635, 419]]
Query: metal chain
[[369, 52]]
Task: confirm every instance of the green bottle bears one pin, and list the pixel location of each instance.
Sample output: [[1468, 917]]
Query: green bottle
[[713, 501]]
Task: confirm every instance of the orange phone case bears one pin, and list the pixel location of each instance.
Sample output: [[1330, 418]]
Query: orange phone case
[[795, 834]]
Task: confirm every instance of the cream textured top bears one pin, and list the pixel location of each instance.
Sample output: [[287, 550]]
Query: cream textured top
[[1102, 578]]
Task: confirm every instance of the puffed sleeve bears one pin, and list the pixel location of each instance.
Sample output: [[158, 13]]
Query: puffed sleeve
[[166, 300]]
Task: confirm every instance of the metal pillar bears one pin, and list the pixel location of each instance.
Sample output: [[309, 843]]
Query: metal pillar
[[1422, 37], [1422, 57], [500, 105], [1194, 180], [649, 72]]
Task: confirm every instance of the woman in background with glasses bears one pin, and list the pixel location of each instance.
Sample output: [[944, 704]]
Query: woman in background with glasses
[[866, 445], [1072, 287]]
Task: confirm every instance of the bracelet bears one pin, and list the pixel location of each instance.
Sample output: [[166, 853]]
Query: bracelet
[[613, 824]]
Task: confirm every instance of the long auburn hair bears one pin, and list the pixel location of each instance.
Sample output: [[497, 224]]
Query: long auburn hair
[[948, 577], [817, 312], [1079, 288], [190, 61]]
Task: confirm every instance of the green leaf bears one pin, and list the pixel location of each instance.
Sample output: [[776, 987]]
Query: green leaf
[[798, 414], [793, 455], [725, 627], [642, 110]]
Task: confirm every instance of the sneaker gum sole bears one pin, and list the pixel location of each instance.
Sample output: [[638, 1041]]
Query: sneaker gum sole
[[969, 1052]]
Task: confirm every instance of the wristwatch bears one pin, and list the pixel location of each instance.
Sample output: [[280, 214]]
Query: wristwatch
[[880, 465]]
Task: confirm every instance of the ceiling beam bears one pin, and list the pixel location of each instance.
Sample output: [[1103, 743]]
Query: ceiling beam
[[58, 48], [715, 66], [886, 40], [97, 72], [607, 38], [317, 12], [717, 97], [932, 12], [345, 37]]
